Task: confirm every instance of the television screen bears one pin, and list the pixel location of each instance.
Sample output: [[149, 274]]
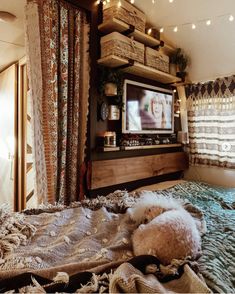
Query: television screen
[[147, 109]]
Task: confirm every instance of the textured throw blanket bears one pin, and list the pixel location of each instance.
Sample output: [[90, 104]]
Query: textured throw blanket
[[91, 243], [91, 237], [14, 231]]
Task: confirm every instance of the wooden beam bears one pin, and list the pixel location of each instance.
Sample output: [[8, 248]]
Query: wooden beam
[[116, 171]]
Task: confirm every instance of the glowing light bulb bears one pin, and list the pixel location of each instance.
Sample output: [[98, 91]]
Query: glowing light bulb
[[98, 2], [108, 1], [193, 26], [132, 1], [104, 3], [231, 18], [119, 4], [174, 90], [175, 29], [153, 1], [161, 30], [149, 31], [171, 1], [208, 22]]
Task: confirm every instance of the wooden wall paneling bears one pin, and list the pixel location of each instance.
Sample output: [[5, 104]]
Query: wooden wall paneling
[[116, 171]]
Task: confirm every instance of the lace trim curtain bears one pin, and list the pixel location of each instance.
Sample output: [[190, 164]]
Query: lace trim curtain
[[211, 123], [57, 35]]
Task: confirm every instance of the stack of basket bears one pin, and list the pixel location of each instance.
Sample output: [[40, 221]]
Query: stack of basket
[[122, 46]]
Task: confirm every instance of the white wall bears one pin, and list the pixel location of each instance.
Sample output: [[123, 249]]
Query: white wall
[[7, 134], [211, 175]]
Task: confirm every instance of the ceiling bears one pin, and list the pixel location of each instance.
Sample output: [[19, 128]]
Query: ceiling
[[12, 46], [211, 48]]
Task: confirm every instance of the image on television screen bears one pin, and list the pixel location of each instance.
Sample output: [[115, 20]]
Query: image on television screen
[[147, 109]]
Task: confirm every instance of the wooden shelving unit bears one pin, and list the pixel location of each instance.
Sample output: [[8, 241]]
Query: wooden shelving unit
[[139, 69], [144, 147], [108, 149], [152, 146], [117, 25]]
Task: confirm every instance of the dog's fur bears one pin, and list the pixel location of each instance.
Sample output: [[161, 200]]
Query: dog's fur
[[166, 230]]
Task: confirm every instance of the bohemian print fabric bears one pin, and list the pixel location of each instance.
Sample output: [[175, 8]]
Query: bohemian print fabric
[[211, 123], [219, 88], [57, 35]]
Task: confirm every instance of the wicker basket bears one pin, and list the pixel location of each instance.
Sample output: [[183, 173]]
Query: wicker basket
[[122, 46], [155, 59], [126, 12]]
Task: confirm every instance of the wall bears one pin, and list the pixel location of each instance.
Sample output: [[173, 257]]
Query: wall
[[211, 175], [7, 133]]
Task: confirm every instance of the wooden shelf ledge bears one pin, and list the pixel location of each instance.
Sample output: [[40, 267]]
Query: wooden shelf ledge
[[139, 147], [152, 146], [117, 25], [139, 69]]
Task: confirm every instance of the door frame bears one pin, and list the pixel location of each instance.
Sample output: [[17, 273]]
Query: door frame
[[21, 117]]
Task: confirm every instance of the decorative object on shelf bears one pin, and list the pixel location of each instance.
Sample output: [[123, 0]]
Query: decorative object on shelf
[[174, 61], [109, 139], [153, 32], [173, 139], [182, 65], [165, 141], [128, 140], [177, 108], [180, 60], [114, 112], [104, 110], [182, 137], [125, 12], [110, 89], [111, 76]]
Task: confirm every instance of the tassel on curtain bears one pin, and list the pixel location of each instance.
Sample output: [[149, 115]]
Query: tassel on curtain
[[57, 36], [211, 123]]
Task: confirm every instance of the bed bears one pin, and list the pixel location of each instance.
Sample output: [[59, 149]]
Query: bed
[[87, 246]]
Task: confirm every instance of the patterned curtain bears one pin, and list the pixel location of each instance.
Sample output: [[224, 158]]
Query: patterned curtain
[[57, 36], [211, 123]]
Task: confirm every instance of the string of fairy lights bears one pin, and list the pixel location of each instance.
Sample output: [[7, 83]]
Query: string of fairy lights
[[175, 28]]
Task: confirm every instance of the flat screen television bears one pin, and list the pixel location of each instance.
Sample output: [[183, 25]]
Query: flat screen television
[[147, 109]]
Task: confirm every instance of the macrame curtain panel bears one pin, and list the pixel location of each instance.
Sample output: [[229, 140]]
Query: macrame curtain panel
[[211, 123], [57, 36]]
